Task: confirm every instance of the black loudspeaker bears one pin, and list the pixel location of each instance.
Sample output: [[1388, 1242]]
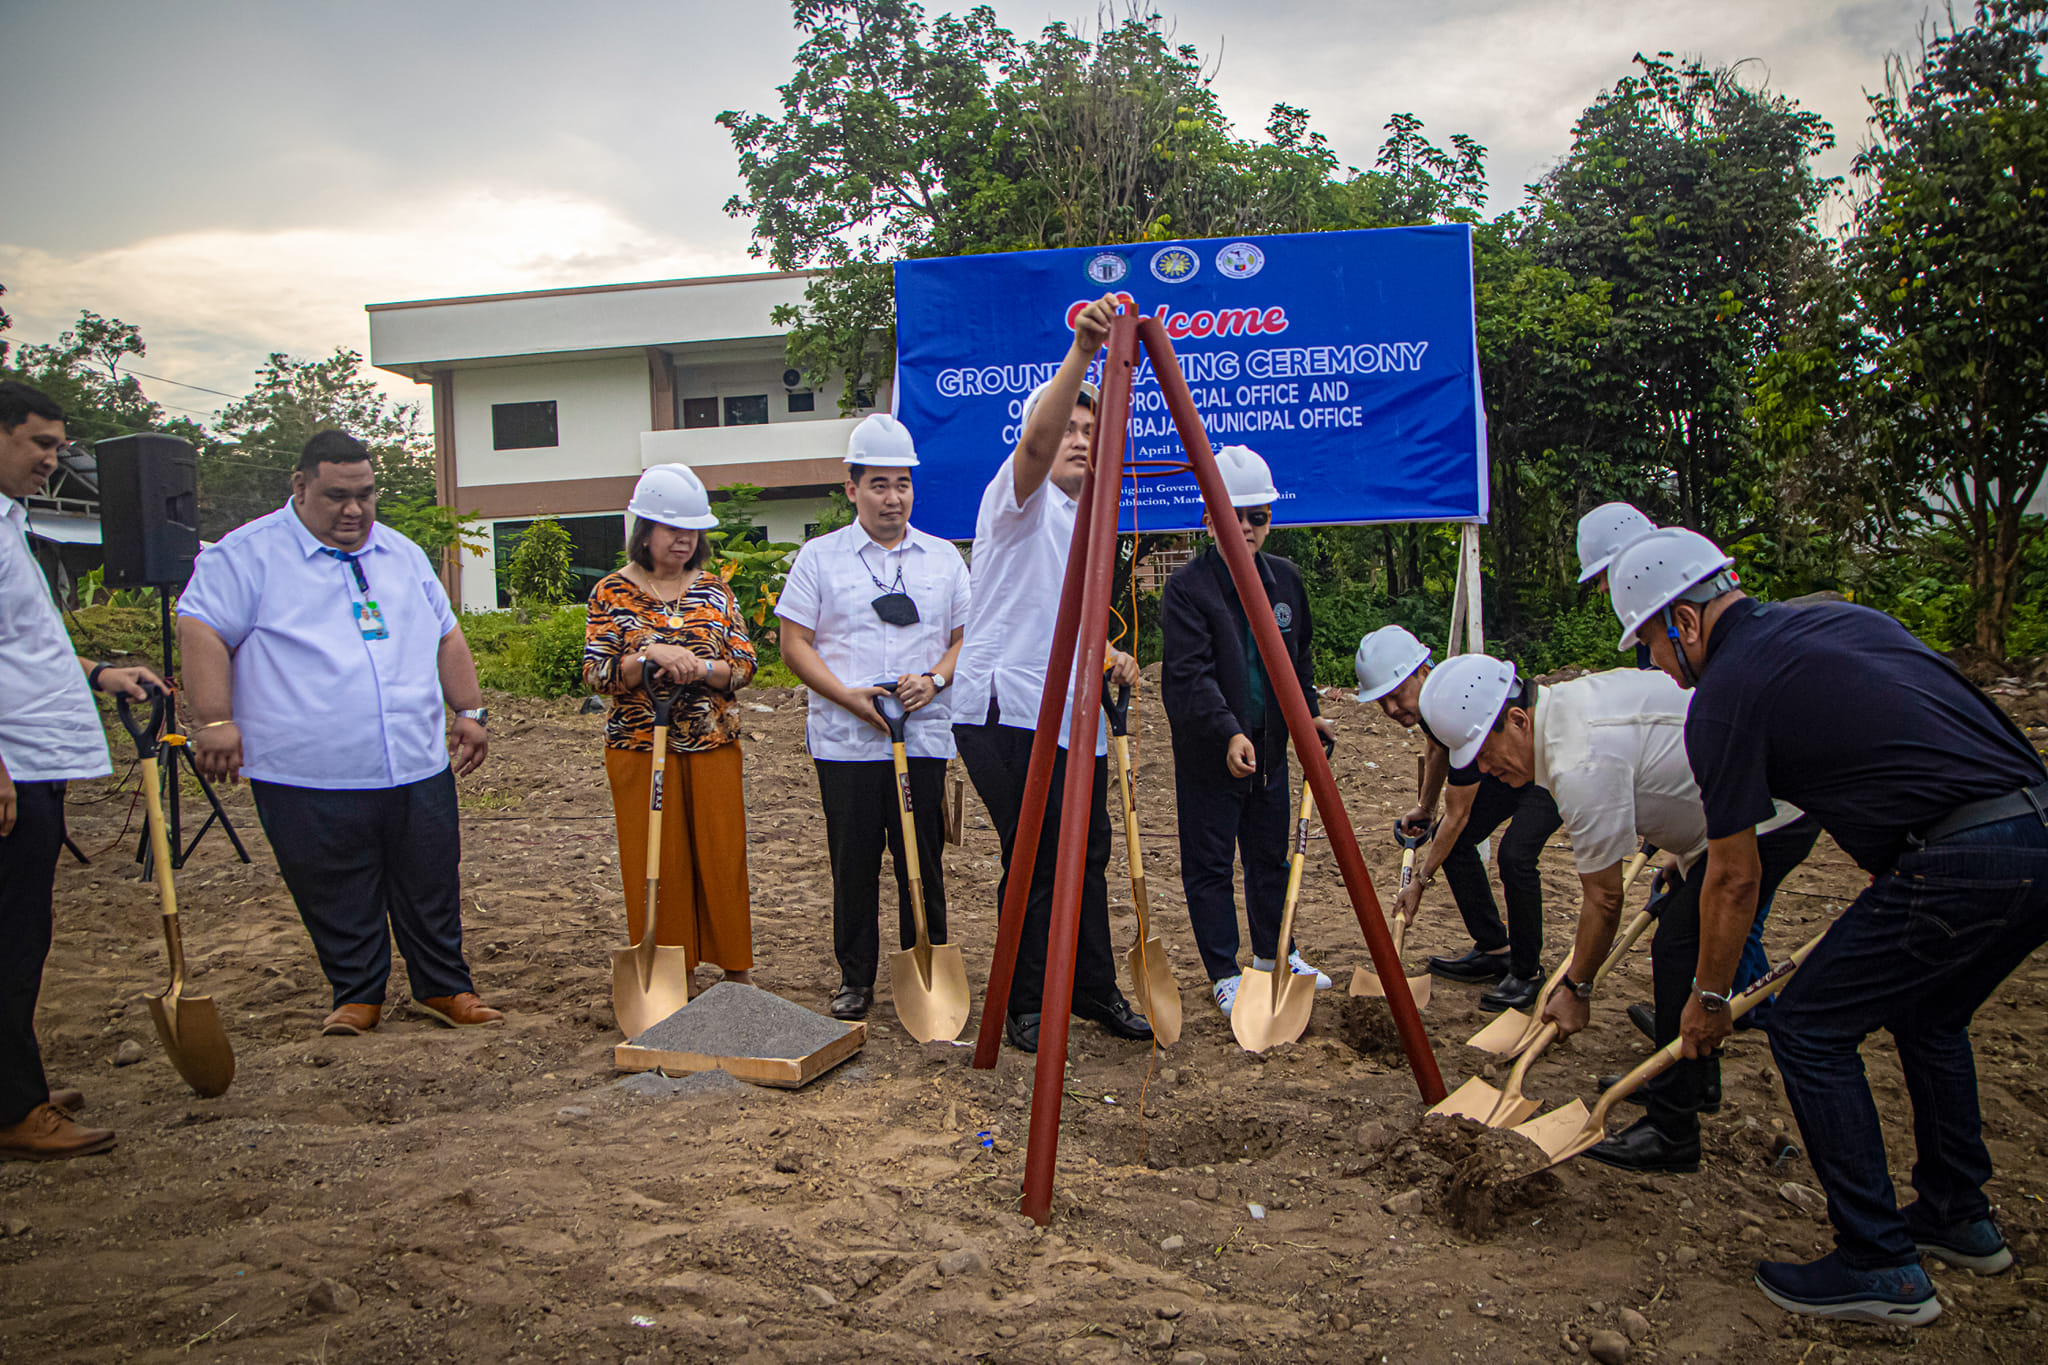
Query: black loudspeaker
[[149, 510]]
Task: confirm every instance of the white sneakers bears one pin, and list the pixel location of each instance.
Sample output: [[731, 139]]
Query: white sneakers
[[1226, 993], [1300, 965]]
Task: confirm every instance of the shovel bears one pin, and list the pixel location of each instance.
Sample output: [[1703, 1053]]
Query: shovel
[[651, 981], [189, 1025], [1565, 1132], [927, 980], [1366, 981], [1512, 1030], [1156, 993], [1273, 1006]]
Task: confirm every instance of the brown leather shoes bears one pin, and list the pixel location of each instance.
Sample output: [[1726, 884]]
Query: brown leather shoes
[[47, 1134], [70, 1101], [350, 1020], [460, 1011]]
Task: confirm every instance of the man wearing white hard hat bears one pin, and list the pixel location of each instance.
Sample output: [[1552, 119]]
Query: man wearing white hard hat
[[1229, 737], [1605, 532], [876, 606], [1392, 668], [1929, 787], [1610, 748], [1022, 533]]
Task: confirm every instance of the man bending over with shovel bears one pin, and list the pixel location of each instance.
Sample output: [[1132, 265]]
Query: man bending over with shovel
[[1932, 790], [1610, 748], [1021, 537]]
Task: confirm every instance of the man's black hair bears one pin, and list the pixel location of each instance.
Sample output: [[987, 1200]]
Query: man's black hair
[[856, 472], [19, 402], [1522, 696], [331, 447]]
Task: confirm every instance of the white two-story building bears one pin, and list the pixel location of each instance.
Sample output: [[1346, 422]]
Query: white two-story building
[[551, 402]]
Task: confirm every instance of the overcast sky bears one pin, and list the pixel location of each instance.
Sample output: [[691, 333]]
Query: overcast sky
[[238, 178]]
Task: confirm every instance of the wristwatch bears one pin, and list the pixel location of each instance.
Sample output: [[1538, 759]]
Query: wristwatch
[[1712, 1001], [938, 680], [1582, 989], [481, 715]]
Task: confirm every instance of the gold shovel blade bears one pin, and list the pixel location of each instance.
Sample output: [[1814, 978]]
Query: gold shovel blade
[[1154, 991], [933, 1009], [1475, 1099], [190, 1029], [642, 1000], [1508, 1033], [1366, 982], [1258, 1022], [1564, 1132]]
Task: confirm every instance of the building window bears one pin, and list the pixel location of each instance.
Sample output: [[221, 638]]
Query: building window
[[750, 411], [700, 412], [803, 402], [523, 426], [597, 546], [863, 399]]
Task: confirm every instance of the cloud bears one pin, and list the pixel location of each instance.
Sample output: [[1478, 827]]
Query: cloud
[[211, 303]]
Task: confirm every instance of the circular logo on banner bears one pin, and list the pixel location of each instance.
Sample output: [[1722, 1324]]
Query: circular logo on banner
[[1284, 614], [1107, 267], [1240, 260], [1174, 264]]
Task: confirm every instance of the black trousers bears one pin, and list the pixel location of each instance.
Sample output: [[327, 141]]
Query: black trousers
[[1531, 818], [359, 861], [997, 758], [1218, 820], [1675, 1097], [28, 871], [861, 820]]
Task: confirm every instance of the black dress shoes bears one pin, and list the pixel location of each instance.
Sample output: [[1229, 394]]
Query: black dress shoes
[[1644, 1017], [852, 1002], [1022, 1031], [1118, 1018], [1644, 1147], [1513, 993], [1710, 1103], [1473, 966]]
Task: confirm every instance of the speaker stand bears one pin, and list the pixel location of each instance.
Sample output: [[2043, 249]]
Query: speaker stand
[[176, 751]]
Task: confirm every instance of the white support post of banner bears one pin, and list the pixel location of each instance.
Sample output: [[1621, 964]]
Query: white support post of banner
[[1467, 608]]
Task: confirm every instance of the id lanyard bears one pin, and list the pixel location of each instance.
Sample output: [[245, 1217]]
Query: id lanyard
[[894, 606], [368, 616]]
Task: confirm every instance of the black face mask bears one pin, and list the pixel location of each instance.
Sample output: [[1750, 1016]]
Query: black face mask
[[896, 608]]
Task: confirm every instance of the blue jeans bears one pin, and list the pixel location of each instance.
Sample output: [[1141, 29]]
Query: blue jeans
[[1916, 953]]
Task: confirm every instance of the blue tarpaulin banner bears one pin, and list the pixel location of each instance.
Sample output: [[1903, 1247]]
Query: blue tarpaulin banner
[[1347, 359]]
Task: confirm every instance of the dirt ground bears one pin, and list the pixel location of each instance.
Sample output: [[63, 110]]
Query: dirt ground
[[425, 1195]]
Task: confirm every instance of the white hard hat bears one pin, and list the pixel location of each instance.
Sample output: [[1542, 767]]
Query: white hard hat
[[673, 496], [1462, 699], [1385, 660], [1604, 532], [1663, 568], [882, 441], [1246, 477], [1031, 403]]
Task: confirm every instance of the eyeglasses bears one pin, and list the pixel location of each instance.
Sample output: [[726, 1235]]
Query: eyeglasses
[[1254, 516]]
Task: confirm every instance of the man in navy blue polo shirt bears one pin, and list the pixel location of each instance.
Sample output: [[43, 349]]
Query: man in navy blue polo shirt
[[1934, 792]]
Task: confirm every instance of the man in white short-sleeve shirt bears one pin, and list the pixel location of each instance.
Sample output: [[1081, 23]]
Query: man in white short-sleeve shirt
[[1021, 539], [876, 606], [319, 651], [50, 734], [1610, 747]]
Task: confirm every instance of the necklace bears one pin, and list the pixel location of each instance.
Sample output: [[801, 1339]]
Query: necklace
[[669, 606]]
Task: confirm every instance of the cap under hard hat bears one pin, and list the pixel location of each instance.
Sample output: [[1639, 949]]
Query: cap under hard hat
[[1663, 568], [1246, 477], [1461, 700], [673, 496], [881, 441], [1031, 403], [1386, 659], [1604, 532]]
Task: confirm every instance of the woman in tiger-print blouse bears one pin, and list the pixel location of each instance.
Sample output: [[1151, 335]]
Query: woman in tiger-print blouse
[[664, 612]]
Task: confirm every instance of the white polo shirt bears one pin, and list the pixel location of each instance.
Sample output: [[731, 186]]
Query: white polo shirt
[[49, 728], [1610, 748], [831, 590], [319, 705], [1019, 565]]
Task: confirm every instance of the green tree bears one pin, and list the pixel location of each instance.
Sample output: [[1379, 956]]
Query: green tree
[[82, 371], [540, 574]]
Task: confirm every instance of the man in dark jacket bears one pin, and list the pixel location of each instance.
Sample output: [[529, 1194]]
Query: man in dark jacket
[[1229, 736]]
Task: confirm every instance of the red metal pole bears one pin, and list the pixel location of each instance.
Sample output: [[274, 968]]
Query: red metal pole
[[1048, 1086], [995, 1001], [1365, 902]]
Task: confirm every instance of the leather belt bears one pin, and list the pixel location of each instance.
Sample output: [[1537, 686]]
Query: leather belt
[[2026, 801]]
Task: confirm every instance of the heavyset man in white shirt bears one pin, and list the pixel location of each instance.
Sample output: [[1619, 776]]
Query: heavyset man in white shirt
[[1021, 538], [872, 606], [50, 733], [1610, 747], [319, 650]]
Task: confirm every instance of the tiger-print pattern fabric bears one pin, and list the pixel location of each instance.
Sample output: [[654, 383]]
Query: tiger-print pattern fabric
[[625, 618]]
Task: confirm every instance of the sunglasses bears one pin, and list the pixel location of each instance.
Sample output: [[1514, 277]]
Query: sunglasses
[[1255, 516]]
